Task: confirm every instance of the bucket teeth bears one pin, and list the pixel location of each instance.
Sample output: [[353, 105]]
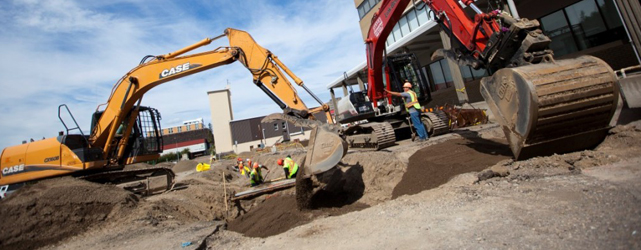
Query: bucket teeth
[[555, 107]]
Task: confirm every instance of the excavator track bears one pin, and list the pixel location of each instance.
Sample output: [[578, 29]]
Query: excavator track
[[377, 135], [145, 181], [436, 123], [557, 107]]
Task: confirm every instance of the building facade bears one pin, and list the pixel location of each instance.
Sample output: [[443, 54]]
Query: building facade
[[244, 135], [186, 126], [576, 27], [191, 135]]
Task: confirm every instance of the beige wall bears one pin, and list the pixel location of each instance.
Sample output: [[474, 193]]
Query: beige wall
[[367, 19], [244, 147], [221, 115]]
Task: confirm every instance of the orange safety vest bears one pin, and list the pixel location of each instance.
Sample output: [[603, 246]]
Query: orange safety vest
[[243, 169], [414, 102]]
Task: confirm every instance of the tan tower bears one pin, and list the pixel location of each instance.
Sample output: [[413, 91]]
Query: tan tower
[[221, 115]]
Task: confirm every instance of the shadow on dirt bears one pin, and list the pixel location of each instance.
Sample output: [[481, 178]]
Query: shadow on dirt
[[485, 146], [341, 188]]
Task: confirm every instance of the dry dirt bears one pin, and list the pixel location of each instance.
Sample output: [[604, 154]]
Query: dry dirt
[[460, 190]]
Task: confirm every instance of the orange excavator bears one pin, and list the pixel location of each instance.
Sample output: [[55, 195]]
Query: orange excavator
[[125, 132], [544, 106]]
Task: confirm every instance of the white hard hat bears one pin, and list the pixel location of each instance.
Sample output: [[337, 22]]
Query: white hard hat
[[407, 85]]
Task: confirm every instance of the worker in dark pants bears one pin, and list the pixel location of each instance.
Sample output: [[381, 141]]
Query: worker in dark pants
[[413, 108], [289, 166]]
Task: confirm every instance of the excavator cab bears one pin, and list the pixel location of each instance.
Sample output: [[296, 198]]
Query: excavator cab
[[401, 67], [144, 141], [354, 107]]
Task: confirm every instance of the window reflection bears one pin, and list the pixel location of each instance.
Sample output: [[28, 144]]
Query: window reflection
[[583, 25], [586, 23], [610, 13], [557, 28], [437, 73]]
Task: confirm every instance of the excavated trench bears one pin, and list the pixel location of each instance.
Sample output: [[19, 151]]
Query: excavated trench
[[428, 168]]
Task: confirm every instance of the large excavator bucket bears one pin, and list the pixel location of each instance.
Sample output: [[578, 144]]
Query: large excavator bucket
[[556, 107], [326, 147]]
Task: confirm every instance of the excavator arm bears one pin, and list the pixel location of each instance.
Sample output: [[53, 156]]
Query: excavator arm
[[544, 106], [268, 74], [118, 136], [473, 33]]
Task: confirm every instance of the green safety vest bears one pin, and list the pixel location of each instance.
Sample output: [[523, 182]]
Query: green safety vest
[[291, 165], [414, 102], [255, 177]]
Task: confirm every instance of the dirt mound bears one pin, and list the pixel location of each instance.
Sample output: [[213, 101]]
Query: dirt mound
[[377, 172], [183, 166], [278, 213], [51, 210], [433, 166]]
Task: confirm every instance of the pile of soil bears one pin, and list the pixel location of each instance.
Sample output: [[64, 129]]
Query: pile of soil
[[279, 213], [435, 165], [183, 166], [51, 210], [107, 217]]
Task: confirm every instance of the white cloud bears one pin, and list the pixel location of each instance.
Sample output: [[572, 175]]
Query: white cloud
[[73, 52]]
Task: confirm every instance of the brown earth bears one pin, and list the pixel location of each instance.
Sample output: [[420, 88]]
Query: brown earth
[[458, 190], [279, 213], [52, 210], [435, 165]]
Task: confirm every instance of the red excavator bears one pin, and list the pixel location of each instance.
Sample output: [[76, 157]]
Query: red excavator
[[544, 106]]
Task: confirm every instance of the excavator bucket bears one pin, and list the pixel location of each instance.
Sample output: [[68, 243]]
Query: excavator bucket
[[326, 148], [555, 107]]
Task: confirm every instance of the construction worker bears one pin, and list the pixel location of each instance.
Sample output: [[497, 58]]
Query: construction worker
[[289, 166], [248, 163], [413, 108], [255, 176], [244, 170]]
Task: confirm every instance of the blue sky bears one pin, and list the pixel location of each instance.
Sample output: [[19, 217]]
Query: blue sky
[[73, 52]]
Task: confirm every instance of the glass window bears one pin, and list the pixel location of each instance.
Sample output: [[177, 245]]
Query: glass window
[[446, 70], [411, 19], [361, 11], [556, 27], [390, 39], [422, 14], [478, 73], [405, 28], [180, 129], [610, 13], [586, 22], [283, 125], [397, 32], [372, 3], [366, 6], [275, 126], [466, 71], [437, 73]]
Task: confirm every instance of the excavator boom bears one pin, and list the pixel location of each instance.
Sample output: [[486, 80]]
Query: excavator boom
[[544, 106], [119, 136]]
